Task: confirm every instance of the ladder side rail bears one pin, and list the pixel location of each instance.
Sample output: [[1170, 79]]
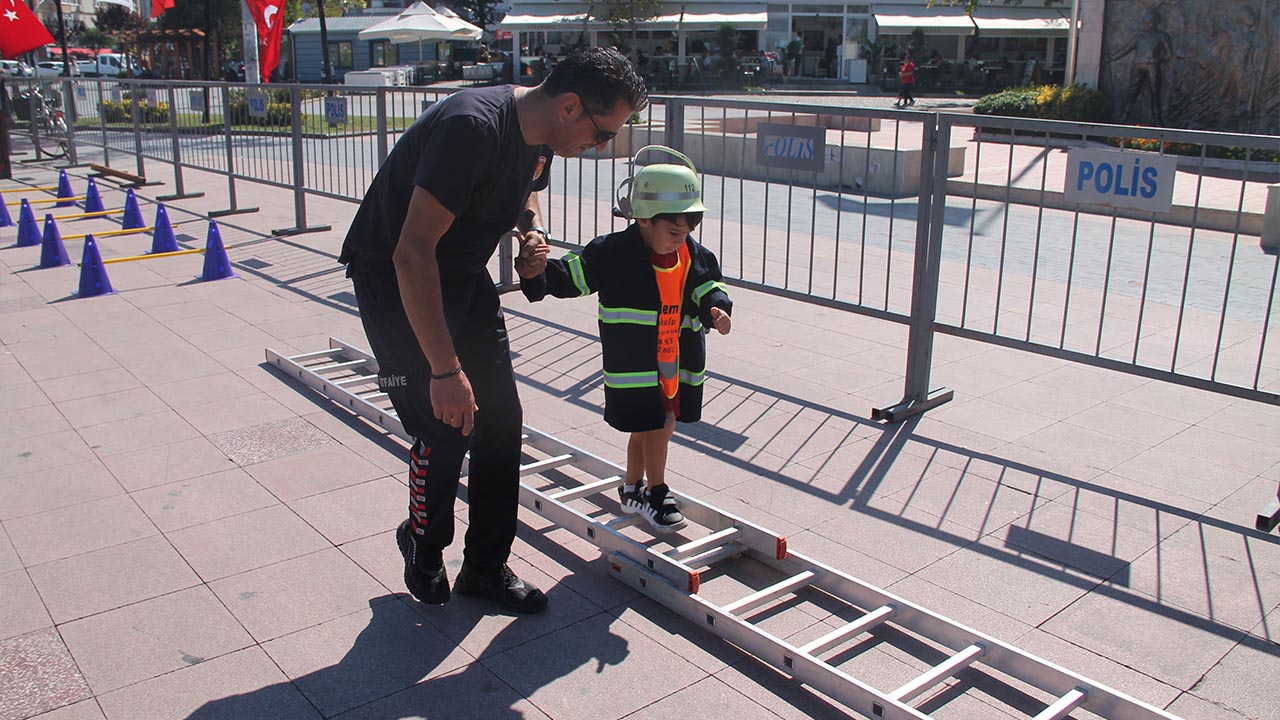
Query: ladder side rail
[[609, 539], [1038, 672], [363, 408], [766, 647]]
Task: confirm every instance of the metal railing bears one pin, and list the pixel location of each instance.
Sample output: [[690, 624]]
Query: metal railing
[[944, 222]]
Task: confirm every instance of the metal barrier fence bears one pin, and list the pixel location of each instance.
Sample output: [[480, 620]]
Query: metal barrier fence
[[945, 222]]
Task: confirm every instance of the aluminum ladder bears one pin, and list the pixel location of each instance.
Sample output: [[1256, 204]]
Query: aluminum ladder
[[573, 489]]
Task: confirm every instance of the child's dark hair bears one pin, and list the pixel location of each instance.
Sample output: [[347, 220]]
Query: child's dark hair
[[692, 219]]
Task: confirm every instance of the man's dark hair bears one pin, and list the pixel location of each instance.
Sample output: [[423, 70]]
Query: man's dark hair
[[692, 219], [601, 77]]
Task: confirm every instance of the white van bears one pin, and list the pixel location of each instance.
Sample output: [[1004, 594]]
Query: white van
[[105, 65]]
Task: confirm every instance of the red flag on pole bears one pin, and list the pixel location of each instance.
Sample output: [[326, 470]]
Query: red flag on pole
[[159, 6], [268, 15], [20, 30]]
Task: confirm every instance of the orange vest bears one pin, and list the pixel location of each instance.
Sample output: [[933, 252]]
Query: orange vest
[[671, 295]]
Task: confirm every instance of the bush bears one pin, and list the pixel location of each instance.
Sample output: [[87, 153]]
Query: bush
[[278, 113], [1014, 102], [121, 112], [1074, 102], [1050, 102]]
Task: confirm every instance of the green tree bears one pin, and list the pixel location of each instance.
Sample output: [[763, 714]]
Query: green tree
[[728, 43], [628, 14], [479, 12], [971, 5], [115, 20]]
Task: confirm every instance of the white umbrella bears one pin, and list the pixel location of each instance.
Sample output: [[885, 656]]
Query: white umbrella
[[465, 30], [417, 23]]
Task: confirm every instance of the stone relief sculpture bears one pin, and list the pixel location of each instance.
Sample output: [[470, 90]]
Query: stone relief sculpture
[[1194, 64]]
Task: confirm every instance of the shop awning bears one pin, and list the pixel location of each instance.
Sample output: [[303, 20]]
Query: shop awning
[[526, 17], [938, 20], [1020, 22]]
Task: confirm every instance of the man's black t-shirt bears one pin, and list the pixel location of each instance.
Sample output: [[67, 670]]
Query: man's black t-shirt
[[467, 151]]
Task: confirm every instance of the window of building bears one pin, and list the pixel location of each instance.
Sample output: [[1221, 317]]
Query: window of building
[[383, 54], [342, 55]]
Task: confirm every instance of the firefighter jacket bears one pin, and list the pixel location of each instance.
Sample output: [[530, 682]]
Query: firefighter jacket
[[617, 267]]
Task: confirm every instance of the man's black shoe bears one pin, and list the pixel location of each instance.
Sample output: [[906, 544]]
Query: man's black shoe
[[426, 583], [502, 586]]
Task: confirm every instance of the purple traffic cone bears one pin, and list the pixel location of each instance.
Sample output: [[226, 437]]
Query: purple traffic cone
[[5, 219], [28, 233], [64, 190], [132, 215], [93, 274], [163, 241], [216, 264], [52, 252], [93, 198]]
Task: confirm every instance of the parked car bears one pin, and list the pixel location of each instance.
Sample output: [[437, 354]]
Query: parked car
[[48, 69], [14, 68], [104, 65]]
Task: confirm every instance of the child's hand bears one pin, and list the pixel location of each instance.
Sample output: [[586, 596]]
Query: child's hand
[[721, 320], [532, 260]]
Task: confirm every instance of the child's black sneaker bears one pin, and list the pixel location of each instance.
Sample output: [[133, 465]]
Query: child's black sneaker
[[425, 577], [631, 502], [502, 586], [660, 509]]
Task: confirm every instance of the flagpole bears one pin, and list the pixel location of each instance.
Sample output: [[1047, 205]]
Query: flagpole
[[62, 40]]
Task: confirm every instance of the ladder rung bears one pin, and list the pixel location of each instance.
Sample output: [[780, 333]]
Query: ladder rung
[[777, 590], [337, 366], [714, 555], [696, 546], [353, 380], [584, 490], [548, 464], [314, 355], [624, 521], [1062, 706], [857, 627], [941, 671]]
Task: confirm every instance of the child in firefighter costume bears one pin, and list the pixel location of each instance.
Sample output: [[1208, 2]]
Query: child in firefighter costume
[[660, 292]]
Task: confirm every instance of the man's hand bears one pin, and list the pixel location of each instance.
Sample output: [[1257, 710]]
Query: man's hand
[[454, 403], [532, 258], [720, 319]]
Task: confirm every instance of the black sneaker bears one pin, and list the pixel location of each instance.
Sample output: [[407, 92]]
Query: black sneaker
[[428, 584], [501, 586], [661, 511], [631, 502]]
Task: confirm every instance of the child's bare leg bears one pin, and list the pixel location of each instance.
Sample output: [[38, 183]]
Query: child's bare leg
[[635, 460], [654, 451]]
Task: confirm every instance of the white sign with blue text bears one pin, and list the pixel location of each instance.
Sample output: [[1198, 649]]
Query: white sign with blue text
[[335, 110], [257, 105], [796, 147], [1142, 181]]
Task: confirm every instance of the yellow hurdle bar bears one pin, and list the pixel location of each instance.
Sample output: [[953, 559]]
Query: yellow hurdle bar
[[109, 233], [79, 216], [47, 188], [38, 201], [132, 258]]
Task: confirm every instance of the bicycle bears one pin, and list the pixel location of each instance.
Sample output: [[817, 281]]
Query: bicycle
[[49, 124]]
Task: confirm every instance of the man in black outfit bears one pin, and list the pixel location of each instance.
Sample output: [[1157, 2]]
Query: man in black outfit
[[458, 180]]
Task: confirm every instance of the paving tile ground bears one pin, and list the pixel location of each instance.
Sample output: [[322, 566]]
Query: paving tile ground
[[186, 533]]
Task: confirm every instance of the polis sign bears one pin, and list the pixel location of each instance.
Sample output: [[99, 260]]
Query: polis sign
[[1141, 181], [796, 147]]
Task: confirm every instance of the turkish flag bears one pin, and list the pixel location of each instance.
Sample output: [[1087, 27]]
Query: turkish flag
[[20, 30], [159, 6], [268, 15]]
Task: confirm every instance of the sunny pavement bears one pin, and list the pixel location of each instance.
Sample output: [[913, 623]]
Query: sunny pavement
[[189, 534]]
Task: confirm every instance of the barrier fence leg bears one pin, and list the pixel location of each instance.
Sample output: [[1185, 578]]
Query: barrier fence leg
[[917, 395], [182, 193], [1269, 518], [231, 160], [299, 174]]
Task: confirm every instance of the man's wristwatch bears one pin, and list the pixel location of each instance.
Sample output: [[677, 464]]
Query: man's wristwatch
[[539, 229]]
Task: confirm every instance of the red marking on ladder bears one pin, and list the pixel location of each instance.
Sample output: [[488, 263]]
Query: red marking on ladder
[[782, 548], [615, 567], [695, 581]]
